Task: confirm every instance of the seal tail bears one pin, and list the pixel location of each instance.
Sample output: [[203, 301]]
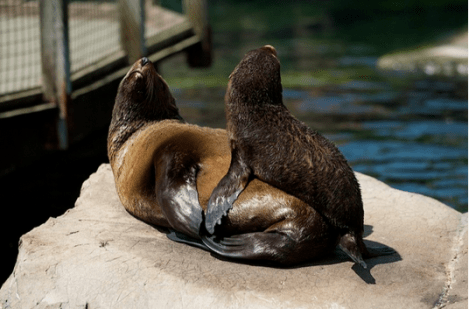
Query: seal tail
[[349, 244]]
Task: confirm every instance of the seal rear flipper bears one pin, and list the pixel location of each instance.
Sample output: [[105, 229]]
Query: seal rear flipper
[[348, 244], [274, 247], [183, 238], [226, 192]]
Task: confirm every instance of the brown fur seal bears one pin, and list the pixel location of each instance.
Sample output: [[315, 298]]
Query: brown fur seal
[[165, 171], [269, 143]]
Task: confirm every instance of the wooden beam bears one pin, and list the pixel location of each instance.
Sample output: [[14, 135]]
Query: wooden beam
[[55, 53], [199, 55], [132, 25]]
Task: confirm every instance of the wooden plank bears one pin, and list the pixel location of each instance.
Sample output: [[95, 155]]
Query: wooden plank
[[173, 49], [21, 99], [172, 35], [99, 70]]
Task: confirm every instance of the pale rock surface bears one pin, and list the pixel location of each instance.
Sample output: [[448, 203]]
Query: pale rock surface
[[448, 58], [98, 256]]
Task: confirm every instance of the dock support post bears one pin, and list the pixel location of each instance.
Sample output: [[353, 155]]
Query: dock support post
[[199, 55], [132, 28], [56, 62]]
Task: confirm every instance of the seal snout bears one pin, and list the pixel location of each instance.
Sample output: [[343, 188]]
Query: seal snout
[[144, 61]]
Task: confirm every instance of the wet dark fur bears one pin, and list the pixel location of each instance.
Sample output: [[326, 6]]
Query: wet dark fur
[[165, 171], [268, 142]]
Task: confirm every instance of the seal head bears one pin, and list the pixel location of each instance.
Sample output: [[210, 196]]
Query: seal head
[[142, 97]]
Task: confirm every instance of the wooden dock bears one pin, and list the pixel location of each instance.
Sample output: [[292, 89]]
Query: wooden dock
[[66, 82]]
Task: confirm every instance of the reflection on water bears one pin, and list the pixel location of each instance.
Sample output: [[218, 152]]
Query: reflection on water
[[410, 132]]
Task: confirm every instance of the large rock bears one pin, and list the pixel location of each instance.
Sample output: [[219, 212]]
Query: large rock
[[98, 256]]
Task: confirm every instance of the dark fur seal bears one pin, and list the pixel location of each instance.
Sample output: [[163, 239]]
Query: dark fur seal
[[269, 143], [165, 171]]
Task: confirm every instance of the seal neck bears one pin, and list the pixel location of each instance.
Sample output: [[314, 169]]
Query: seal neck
[[128, 118]]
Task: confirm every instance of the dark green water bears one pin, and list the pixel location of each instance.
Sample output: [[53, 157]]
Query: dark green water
[[408, 131]]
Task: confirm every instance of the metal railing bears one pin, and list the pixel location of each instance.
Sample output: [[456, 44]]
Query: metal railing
[[20, 57], [37, 36], [54, 53], [93, 31]]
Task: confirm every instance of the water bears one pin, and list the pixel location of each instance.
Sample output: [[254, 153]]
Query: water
[[414, 140], [408, 131]]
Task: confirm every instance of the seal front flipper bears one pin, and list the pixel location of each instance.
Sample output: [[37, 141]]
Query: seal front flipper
[[226, 192], [176, 191], [221, 201]]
